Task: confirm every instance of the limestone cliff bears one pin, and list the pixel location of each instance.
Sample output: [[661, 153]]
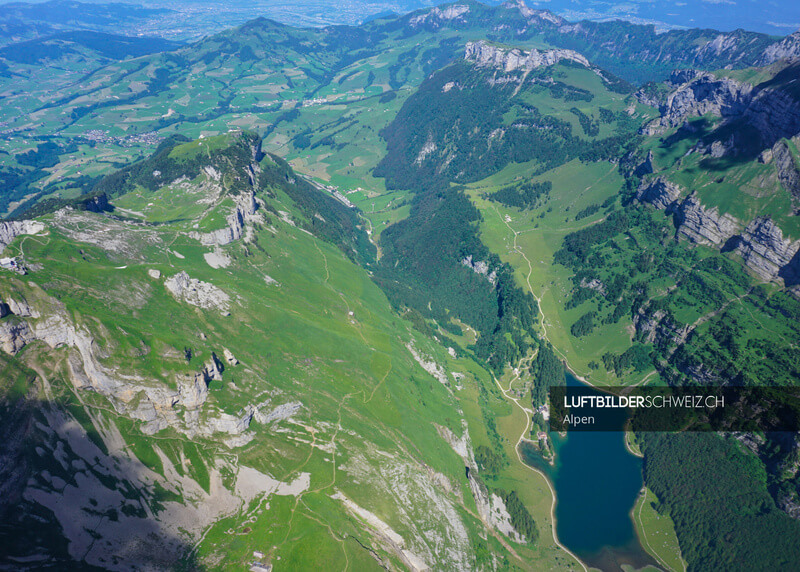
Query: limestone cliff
[[702, 225], [156, 404], [696, 93], [245, 210], [788, 171], [761, 243], [508, 60], [767, 253], [788, 48], [769, 109], [11, 229]]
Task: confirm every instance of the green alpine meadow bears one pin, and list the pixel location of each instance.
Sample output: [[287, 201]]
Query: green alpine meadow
[[287, 287]]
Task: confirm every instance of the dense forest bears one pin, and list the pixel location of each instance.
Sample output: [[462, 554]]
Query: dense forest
[[715, 490], [422, 267], [463, 133]]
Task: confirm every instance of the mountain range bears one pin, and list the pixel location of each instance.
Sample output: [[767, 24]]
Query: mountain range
[[294, 297]]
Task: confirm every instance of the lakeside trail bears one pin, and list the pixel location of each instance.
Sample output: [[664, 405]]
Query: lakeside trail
[[527, 412]]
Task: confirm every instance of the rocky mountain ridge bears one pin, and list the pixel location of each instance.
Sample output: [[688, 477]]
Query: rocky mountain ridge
[[771, 108], [787, 48], [760, 243], [484, 54]]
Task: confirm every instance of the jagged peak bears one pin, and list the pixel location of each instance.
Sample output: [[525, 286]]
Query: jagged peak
[[484, 54], [786, 49], [530, 13], [445, 12]]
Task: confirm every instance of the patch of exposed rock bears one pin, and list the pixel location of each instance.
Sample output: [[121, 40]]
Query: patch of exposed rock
[[196, 292], [217, 258], [761, 244], [493, 511], [428, 364], [531, 14], [436, 16], [480, 267], [786, 49], [148, 531], [245, 210], [766, 252], [658, 192], [12, 229], [508, 60], [788, 171], [229, 357], [656, 326], [702, 225], [283, 411], [127, 239]]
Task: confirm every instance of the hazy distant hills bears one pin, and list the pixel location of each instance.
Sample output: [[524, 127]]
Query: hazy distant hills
[[22, 20], [769, 17], [66, 44]]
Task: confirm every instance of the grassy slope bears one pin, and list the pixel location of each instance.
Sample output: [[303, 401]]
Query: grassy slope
[[353, 372]]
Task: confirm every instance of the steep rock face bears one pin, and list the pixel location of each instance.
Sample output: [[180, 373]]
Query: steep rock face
[[702, 225], [97, 204], [246, 206], [485, 55], [765, 251], [12, 229], [773, 112], [646, 167], [658, 192], [788, 172], [694, 221], [534, 16], [761, 244], [153, 403], [788, 48], [14, 335], [699, 93], [436, 16], [193, 390]]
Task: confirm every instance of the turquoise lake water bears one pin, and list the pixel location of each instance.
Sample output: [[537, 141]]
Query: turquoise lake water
[[597, 482]]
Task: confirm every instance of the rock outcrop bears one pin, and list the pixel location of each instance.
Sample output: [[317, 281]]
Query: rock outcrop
[[761, 244], [658, 192], [229, 357], [772, 111], [699, 93], [702, 225], [245, 209], [196, 292], [788, 171], [508, 60], [435, 17], [12, 229], [157, 405], [646, 167], [193, 389], [766, 252], [694, 221], [786, 49], [534, 16], [482, 268]]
